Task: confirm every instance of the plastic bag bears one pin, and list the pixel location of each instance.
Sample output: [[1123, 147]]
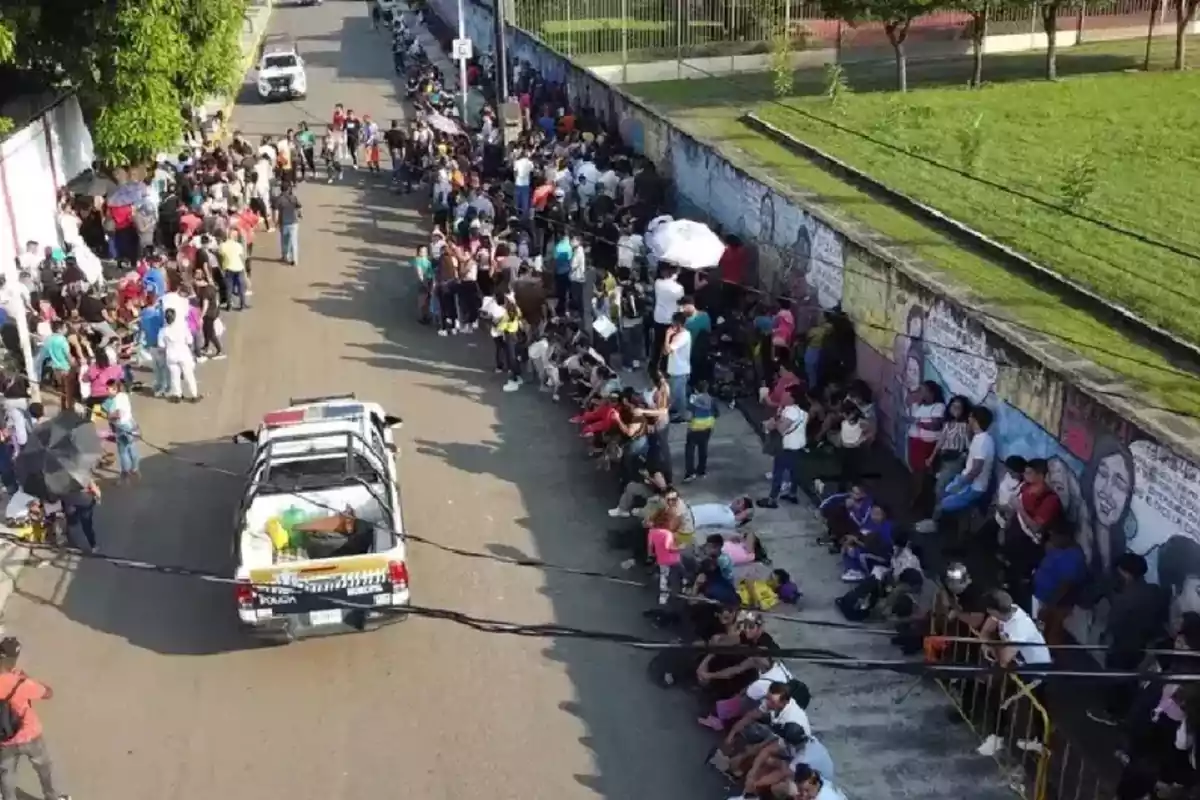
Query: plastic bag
[[277, 534], [764, 596], [289, 519]]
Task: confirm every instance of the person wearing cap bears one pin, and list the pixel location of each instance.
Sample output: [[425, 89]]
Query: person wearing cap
[[20, 691]]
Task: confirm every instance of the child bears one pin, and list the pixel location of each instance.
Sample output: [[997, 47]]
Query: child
[[703, 417], [660, 542]]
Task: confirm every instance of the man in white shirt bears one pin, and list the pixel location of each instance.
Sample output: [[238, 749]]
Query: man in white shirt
[[791, 425], [523, 180], [720, 515], [678, 350], [30, 260], [1017, 642], [609, 183], [971, 486], [776, 708], [667, 294], [14, 298]]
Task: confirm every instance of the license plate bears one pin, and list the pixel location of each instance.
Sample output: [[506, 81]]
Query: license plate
[[330, 617]]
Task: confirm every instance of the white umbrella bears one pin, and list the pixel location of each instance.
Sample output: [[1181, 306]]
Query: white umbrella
[[685, 243]]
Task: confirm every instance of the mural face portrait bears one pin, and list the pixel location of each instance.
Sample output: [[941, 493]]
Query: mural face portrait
[[1112, 489], [1108, 484], [912, 372]]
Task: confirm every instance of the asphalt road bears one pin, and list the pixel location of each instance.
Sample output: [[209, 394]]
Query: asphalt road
[[157, 693]]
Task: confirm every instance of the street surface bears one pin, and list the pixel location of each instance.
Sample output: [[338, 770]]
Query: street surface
[[156, 693]]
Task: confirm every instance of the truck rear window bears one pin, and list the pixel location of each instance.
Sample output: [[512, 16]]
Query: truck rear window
[[279, 62], [315, 473]]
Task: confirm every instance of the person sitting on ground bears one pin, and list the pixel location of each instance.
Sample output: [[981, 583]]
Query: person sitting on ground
[[845, 513], [871, 547], [908, 606], [808, 784], [723, 675], [859, 602], [758, 725], [774, 763]]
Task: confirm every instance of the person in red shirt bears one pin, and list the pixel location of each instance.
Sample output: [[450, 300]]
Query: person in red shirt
[[246, 221], [189, 223], [19, 691], [1038, 512], [339, 117], [733, 266]]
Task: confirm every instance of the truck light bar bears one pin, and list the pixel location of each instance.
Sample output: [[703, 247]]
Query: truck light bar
[[295, 416]]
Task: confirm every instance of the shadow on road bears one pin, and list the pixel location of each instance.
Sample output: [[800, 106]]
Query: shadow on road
[[631, 725]]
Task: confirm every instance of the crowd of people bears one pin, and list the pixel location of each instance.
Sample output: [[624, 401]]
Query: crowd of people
[[539, 240]]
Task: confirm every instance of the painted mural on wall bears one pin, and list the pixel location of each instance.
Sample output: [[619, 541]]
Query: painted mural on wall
[[1122, 491]]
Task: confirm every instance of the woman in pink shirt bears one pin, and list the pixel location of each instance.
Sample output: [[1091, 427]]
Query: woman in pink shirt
[[783, 329], [774, 397], [660, 541]]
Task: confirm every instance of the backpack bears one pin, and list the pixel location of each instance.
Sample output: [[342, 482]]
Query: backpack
[[10, 721]]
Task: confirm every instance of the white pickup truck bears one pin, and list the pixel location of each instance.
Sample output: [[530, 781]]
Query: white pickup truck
[[320, 544]]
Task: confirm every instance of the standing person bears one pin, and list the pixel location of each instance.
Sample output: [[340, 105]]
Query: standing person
[[23, 737], [150, 323], [704, 413], [233, 266], [176, 342], [667, 294], [118, 410], [397, 143], [790, 426], [210, 315], [370, 137], [510, 326], [562, 274], [353, 128], [333, 151], [306, 164], [523, 183], [1137, 620], [632, 338], [677, 348], [80, 509], [287, 214]]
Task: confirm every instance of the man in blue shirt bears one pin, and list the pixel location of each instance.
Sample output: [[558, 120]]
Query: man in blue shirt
[[151, 323], [562, 272]]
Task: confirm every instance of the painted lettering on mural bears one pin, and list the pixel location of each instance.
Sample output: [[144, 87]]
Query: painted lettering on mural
[[958, 350], [1166, 495], [825, 272]]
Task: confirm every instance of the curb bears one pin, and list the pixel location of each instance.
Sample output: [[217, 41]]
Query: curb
[[248, 61]]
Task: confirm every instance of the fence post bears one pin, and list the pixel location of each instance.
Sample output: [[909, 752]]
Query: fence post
[[679, 37], [624, 41]]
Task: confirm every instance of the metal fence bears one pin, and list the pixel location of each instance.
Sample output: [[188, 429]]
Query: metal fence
[[1039, 761], [607, 32]]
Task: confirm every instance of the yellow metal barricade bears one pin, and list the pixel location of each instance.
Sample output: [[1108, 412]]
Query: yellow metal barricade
[[1005, 711]]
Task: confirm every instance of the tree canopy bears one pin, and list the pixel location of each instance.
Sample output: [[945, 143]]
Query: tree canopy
[[136, 64]]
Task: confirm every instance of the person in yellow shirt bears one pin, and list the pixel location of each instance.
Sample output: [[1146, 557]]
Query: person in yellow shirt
[[232, 256], [510, 327]]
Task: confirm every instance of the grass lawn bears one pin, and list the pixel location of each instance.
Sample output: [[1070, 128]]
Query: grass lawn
[[1140, 130]]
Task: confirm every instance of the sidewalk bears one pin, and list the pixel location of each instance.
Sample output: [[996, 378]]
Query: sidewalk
[[888, 737]]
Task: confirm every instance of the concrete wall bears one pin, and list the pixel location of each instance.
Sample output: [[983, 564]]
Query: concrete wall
[[1127, 474]]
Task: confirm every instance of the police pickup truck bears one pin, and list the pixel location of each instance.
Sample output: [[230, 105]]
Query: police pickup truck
[[281, 71], [319, 542]]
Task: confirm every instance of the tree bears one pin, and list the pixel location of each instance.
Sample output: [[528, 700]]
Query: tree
[[1185, 14], [133, 63], [897, 17], [1155, 8], [212, 32], [1049, 11], [980, 11]]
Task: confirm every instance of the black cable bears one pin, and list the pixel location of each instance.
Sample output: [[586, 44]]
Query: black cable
[[811, 656]]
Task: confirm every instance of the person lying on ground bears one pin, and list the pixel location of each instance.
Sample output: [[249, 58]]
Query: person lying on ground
[[723, 515]]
